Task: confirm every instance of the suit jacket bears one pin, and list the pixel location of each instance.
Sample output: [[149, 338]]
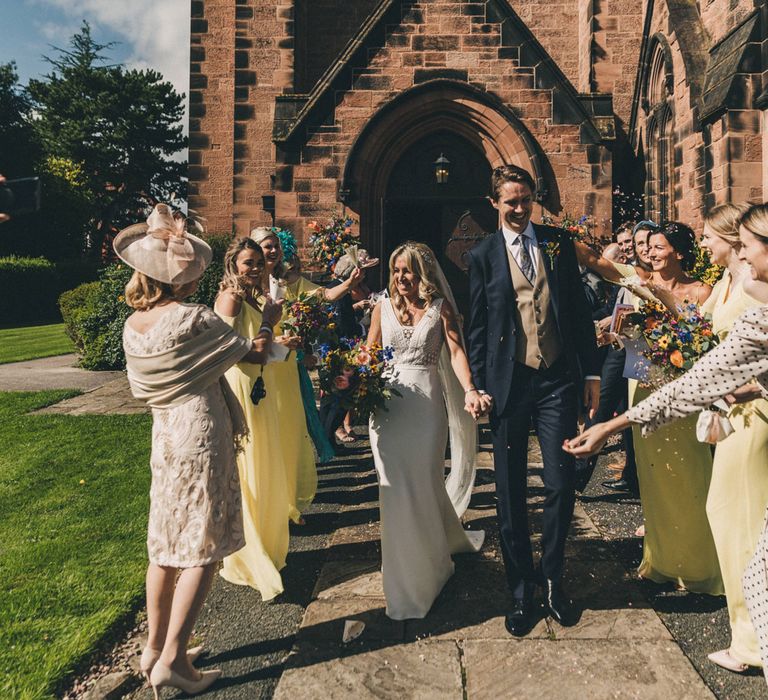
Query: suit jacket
[[491, 328]]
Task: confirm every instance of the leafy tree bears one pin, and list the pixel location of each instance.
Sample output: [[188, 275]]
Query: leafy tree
[[19, 150], [119, 127]]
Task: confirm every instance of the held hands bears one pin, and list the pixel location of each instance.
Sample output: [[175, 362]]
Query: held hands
[[477, 404]]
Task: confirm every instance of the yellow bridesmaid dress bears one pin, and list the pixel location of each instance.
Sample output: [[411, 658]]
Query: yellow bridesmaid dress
[[738, 494], [673, 472], [298, 452], [262, 477]]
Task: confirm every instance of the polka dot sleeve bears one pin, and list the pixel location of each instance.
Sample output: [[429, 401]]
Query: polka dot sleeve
[[740, 359]]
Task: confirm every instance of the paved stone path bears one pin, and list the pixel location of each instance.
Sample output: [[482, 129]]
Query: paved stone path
[[59, 372], [619, 649], [293, 648]]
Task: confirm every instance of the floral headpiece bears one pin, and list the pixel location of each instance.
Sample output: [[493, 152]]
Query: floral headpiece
[[287, 243]]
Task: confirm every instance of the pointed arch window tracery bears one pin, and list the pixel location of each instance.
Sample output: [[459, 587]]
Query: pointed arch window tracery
[[658, 103]]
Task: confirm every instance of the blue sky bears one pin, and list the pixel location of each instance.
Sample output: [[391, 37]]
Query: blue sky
[[151, 33]]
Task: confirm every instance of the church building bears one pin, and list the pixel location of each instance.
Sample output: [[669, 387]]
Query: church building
[[394, 112]]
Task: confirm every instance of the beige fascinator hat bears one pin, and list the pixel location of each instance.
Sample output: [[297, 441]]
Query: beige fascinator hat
[[261, 233], [352, 258], [163, 249]]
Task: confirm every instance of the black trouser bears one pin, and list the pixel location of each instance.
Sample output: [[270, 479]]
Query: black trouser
[[613, 399], [548, 399]]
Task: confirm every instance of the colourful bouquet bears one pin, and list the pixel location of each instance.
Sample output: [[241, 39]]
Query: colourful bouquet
[[675, 341], [581, 229], [358, 375], [313, 319], [328, 242]]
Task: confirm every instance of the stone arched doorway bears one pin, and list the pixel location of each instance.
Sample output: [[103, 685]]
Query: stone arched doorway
[[396, 147]]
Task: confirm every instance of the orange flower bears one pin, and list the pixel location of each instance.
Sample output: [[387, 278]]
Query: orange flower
[[676, 358], [651, 323]]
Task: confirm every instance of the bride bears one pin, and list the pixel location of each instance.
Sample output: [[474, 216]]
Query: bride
[[420, 525]]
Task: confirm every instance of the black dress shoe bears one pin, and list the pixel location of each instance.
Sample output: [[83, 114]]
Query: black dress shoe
[[557, 604], [521, 620], [620, 485]]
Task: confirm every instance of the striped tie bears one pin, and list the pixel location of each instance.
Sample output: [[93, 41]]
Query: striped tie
[[524, 259]]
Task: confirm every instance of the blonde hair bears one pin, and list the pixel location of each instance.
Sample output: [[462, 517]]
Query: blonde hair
[[724, 221], [755, 220], [231, 281], [143, 292], [421, 261]]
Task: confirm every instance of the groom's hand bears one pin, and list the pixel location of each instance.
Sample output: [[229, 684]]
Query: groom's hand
[[591, 397]]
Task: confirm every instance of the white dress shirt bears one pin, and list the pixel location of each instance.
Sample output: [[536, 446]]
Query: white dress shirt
[[510, 238]]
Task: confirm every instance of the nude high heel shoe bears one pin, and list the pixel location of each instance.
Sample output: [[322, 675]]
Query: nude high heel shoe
[[162, 677], [149, 658]]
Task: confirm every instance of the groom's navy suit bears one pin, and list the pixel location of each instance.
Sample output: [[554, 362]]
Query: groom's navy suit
[[530, 347]]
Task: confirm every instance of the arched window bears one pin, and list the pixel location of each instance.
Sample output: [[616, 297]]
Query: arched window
[[660, 128]]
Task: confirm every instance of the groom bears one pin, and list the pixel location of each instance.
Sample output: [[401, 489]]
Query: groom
[[532, 348]]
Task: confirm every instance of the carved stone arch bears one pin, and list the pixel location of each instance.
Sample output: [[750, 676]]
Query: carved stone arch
[[659, 81], [445, 104], [438, 105]]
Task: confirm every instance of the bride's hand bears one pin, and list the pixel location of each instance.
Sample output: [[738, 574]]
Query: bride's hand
[[473, 403]]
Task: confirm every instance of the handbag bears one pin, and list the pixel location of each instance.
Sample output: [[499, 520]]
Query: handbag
[[713, 425], [259, 391]]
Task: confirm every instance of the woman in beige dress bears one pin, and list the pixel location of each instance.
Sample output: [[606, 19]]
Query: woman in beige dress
[[176, 356]]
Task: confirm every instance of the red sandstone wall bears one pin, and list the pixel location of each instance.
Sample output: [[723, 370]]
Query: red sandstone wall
[[720, 16], [555, 23], [434, 35], [323, 28]]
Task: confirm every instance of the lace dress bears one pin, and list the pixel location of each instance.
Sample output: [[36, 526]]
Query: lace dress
[[419, 526], [195, 515]]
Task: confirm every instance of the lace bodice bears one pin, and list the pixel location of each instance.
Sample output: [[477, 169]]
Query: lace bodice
[[416, 346], [176, 325]]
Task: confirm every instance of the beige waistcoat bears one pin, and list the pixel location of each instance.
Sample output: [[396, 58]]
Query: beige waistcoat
[[537, 341]]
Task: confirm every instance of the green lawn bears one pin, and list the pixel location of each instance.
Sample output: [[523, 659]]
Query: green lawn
[[17, 344], [73, 514]]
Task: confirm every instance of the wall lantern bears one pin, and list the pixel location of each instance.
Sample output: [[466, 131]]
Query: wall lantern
[[442, 169]]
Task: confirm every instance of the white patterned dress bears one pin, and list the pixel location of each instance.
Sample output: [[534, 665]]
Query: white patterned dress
[[195, 514], [419, 526]]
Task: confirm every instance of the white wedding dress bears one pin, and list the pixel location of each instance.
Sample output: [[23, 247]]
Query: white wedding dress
[[420, 529]]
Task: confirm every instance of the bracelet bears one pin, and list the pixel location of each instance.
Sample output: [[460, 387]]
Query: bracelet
[[469, 391], [266, 327]]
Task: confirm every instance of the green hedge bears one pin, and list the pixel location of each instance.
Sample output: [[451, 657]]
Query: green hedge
[[94, 313], [29, 290], [31, 287]]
